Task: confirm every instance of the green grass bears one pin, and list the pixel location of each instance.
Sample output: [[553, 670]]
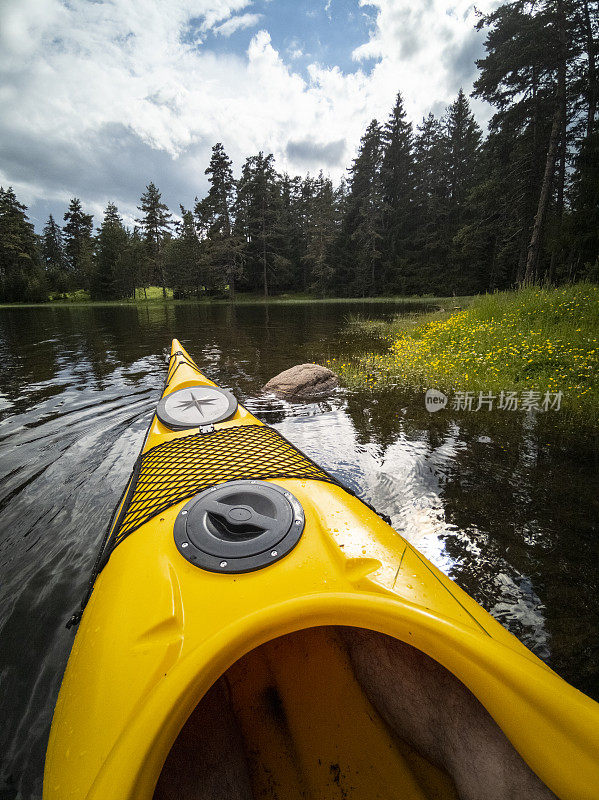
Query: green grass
[[532, 339], [79, 296], [154, 296]]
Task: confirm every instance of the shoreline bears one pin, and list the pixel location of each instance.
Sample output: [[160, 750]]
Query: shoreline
[[530, 340], [241, 299]]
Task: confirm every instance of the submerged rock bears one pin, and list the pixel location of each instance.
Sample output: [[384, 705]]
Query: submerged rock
[[303, 382]]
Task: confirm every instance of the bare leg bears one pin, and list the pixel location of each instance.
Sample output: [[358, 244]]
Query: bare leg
[[207, 761], [433, 711]]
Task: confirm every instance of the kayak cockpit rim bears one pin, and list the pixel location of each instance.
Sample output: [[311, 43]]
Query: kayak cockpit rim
[[485, 666]]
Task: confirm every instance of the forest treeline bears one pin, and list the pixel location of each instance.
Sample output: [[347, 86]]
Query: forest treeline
[[433, 209]]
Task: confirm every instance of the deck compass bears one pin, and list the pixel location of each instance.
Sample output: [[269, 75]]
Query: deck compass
[[196, 406]]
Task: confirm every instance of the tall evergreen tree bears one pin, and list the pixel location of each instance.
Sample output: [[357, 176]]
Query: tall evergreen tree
[[513, 76], [557, 141], [257, 210], [431, 235], [397, 187], [364, 215], [183, 259], [78, 241], [483, 250], [134, 267], [290, 232], [214, 216], [587, 20], [155, 224], [580, 246], [321, 233], [463, 142], [584, 224], [532, 49], [53, 248], [54, 258], [111, 244], [21, 276]]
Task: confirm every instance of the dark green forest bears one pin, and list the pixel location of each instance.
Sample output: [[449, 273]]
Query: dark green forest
[[437, 208]]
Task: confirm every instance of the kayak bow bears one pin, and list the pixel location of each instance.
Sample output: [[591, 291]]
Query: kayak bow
[[234, 554]]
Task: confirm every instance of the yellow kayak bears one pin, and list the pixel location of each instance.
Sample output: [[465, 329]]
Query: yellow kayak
[[256, 631]]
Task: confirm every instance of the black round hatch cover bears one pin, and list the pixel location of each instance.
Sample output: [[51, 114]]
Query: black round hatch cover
[[195, 406], [239, 526]]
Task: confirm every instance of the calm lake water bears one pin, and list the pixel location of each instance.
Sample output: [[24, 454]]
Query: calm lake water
[[504, 503]]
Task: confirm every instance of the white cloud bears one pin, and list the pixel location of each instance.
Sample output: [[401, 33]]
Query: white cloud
[[426, 49], [295, 50], [237, 23], [98, 98]]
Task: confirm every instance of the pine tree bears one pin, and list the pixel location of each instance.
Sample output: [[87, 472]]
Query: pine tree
[[363, 222], [321, 232], [214, 216], [588, 24], [513, 78], [463, 137], [78, 244], [54, 258], [134, 266], [257, 209], [584, 224], [342, 282], [482, 255], [557, 135], [53, 248], [21, 276], [183, 258], [431, 235], [580, 240], [397, 187], [305, 209], [155, 225], [289, 234], [533, 49], [110, 248]]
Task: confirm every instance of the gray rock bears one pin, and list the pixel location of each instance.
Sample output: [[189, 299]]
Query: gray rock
[[303, 382]]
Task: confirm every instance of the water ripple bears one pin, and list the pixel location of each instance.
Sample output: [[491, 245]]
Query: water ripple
[[507, 508]]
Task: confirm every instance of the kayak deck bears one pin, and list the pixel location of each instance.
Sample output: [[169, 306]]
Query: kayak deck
[[184, 467], [159, 633]]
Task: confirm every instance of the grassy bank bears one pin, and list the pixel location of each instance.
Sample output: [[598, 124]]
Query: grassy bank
[[154, 296], [532, 339]]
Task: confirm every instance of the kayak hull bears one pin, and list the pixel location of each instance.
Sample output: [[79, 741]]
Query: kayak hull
[[158, 632]]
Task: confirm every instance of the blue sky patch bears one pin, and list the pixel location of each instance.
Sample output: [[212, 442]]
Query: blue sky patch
[[302, 31]]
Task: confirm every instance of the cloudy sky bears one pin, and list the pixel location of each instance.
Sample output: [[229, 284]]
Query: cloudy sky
[[99, 97]]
